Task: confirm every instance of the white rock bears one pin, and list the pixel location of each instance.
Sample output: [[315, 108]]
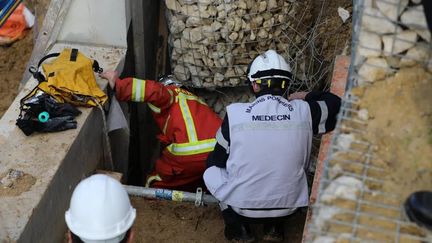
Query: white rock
[[414, 18], [230, 72], [343, 14], [240, 70], [194, 70], [183, 2], [344, 141], [262, 6], [392, 8], [230, 23], [425, 34], [237, 23], [207, 31], [219, 77], [242, 4], [190, 10], [363, 114], [216, 26], [344, 187], [324, 239], [196, 81], [194, 21], [369, 44], [418, 54], [262, 34], [181, 72], [181, 44], [374, 69], [399, 42], [335, 171], [176, 26], [234, 81], [373, 20], [193, 35], [272, 4], [173, 5], [252, 35], [268, 23], [324, 215]]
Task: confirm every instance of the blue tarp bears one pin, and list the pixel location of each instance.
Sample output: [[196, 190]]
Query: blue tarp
[[6, 9]]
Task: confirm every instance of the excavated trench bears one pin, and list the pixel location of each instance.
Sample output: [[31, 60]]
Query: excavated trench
[[322, 37]]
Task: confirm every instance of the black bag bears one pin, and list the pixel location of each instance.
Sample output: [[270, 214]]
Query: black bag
[[40, 112]]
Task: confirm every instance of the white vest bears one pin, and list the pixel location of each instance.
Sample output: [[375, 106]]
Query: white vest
[[270, 143]]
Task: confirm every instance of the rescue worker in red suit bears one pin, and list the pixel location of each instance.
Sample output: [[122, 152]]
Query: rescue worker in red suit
[[187, 126]]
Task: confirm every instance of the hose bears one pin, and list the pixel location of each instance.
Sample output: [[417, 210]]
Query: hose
[[199, 198]]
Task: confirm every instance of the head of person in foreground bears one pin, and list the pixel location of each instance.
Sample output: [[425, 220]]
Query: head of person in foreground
[[100, 211]]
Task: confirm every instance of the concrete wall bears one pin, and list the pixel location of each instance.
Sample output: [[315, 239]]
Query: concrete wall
[[58, 161]]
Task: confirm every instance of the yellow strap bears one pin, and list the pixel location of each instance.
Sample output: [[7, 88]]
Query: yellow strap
[[138, 90], [192, 148], [154, 108], [166, 124], [171, 96], [151, 179]]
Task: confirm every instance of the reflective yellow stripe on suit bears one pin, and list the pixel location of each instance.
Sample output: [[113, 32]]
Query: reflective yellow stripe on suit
[[138, 90], [192, 148], [187, 117]]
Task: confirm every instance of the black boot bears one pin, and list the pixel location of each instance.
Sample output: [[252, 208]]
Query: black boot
[[273, 232], [418, 208], [238, 232]]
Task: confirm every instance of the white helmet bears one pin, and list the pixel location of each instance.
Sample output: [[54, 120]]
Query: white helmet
[[269, 65], [100, 210], [170, 80]]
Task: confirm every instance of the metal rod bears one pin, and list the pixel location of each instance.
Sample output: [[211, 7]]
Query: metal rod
[[199, 198]]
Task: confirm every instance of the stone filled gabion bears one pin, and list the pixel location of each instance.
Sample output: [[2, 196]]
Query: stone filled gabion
[[219, 100], [393, 35], [213, 42]]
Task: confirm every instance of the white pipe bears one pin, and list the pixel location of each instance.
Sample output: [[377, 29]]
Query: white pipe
[[198, 198]]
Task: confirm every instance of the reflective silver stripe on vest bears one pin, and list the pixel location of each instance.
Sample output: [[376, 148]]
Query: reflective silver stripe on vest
[[270, 126], [222, 141], [324, 115]]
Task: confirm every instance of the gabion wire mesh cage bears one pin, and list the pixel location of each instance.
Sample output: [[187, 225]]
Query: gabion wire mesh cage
[[213, 42], [381, 150]]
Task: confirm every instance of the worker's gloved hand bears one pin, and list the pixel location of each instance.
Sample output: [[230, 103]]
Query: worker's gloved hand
[[57, 124]]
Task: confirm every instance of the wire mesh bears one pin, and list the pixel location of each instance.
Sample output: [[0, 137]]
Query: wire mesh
[[213, 42], [357, 200]]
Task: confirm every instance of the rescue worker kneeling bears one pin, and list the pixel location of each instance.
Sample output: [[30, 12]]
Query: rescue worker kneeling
[[257, 169], [100, 211], [187, 126]]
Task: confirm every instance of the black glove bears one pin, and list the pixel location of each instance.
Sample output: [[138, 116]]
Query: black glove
[[61, 115], [57, 124], [59, 109]]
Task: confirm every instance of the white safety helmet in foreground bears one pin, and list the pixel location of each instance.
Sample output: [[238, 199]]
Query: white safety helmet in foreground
[[269, 65], [100, 210]]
